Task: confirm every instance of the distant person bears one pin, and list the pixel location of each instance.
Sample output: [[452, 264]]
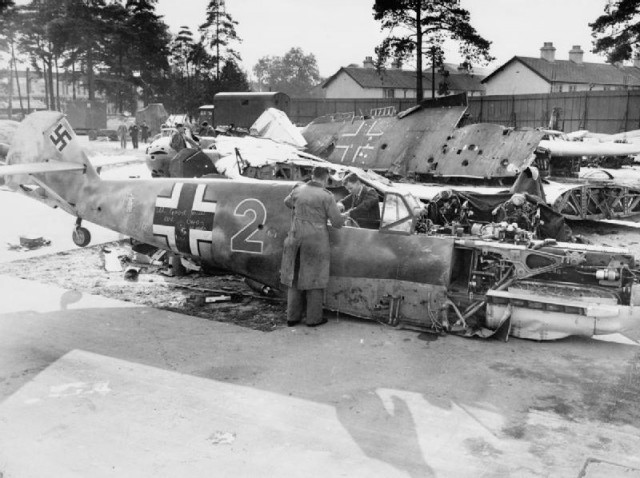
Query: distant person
[[122, 134], [144, 132], [307, 253], [206, 129], [181, 139], [361, 204], [134, 129]]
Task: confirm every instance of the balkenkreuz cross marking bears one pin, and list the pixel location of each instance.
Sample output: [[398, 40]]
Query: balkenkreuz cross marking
[[185, 218]]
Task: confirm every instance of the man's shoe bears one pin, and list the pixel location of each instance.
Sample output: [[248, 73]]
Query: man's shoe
[[292, 323], [322, 322]]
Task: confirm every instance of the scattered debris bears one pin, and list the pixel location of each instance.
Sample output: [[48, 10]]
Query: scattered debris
[[111, 261], [203, 299], [222, 438], [132, 273], [28, 243]]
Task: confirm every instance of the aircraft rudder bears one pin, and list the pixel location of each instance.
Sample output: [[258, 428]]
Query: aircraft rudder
[[44, 136]]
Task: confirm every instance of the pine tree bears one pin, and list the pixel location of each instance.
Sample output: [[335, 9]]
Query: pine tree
[[428, 23], [232, 78], [219, 33], [617, 32]]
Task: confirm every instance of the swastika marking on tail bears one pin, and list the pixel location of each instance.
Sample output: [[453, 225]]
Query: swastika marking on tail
[[59, 137]]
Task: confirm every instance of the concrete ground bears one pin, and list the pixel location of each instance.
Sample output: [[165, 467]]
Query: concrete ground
[[96, 387]]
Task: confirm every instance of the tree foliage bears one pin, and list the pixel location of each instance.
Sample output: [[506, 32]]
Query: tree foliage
[[194, 77], [424, 26], [115, 47], [295, 73], [219, 34], [617, 31], [6, 7], [123, 49]]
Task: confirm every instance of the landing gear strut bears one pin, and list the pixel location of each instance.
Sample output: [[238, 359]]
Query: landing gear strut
[[81, 235]]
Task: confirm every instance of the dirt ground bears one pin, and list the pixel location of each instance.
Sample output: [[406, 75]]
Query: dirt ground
[[84, 270]]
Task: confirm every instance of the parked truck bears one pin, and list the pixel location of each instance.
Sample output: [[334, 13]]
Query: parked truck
[[240, 110]]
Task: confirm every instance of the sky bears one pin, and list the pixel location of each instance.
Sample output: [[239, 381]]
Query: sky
[[342, 32]]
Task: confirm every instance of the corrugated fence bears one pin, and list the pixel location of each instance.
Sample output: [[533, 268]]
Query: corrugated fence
[[597, 111]]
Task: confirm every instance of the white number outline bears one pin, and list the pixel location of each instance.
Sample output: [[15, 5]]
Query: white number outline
[[246, 239]]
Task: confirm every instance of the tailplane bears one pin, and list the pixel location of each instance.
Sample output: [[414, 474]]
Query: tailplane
[[46, 162], [44, 143]]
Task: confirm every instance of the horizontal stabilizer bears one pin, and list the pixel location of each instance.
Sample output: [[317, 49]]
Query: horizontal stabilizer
[[36, 168], [102, 161]]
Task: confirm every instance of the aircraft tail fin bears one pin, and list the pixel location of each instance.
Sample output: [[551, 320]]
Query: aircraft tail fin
[[45, 143]]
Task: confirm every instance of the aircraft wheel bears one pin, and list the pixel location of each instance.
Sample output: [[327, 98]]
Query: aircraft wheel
[[81, 237]]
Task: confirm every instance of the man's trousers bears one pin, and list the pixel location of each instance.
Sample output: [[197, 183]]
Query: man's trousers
[[296, 299]]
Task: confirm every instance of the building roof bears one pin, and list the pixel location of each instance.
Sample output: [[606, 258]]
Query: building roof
[[567, 71], [405, 79]]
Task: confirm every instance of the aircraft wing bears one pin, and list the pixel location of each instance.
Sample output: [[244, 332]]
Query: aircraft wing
[[36, 168], [579, 148], [102, 161]]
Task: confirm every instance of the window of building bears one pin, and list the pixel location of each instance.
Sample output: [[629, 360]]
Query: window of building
[[388, 93], [573, 87]]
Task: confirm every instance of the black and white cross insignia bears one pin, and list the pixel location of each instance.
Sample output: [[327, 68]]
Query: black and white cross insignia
[[185, 218], [59, 137]]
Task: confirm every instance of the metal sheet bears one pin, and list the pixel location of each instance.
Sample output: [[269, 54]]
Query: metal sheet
[[583, 148], [479, 151], [384, 143], [427, 142]]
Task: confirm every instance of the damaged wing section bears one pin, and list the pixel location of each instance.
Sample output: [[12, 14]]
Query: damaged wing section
[[483, 151], [384, 144], [424, 143]]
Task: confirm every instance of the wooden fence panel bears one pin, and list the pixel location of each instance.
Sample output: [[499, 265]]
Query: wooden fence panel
[[597, 111]]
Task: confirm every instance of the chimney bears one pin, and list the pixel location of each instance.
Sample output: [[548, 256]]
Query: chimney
[[368, 62], [575, 54], [548, 52], [636, 60]]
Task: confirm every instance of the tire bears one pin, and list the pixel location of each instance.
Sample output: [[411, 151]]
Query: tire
[[81, 237]]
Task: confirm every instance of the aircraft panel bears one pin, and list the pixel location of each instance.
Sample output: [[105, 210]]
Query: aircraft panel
[[381, 143], [415, 258], [479, 151]]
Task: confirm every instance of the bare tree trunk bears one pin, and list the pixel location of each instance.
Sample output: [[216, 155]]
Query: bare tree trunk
[[53, 92], [15, 69], [419, 90], [47, 93], [52, 95], [73, 80], [28, 92], [90, 84], [10, 96], [433, 72], [57, 85]]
